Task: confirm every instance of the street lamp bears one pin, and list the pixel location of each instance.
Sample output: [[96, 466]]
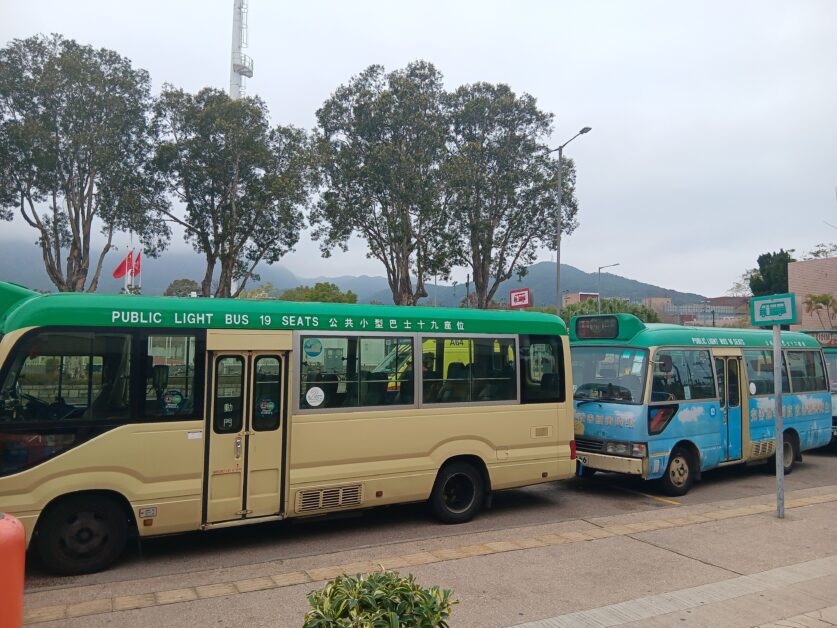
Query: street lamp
[[560, 219], [599, 286]]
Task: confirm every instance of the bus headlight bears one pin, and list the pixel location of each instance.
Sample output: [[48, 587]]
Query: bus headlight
[[624, 448], [618, 448]]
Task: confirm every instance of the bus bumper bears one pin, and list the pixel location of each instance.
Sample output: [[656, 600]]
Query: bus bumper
[[617, 464]]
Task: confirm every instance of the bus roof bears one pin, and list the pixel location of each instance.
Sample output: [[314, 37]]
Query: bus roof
[[628, 329], [21, 308]]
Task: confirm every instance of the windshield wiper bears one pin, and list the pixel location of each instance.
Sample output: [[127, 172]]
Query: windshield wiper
[[581, 402]]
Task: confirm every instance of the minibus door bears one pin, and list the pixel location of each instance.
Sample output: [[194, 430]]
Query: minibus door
[[728, 371], [244, 461]]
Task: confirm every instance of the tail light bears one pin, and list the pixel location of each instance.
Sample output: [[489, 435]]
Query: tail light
[[572, 449]]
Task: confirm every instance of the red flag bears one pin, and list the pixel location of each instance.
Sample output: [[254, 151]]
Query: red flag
[[137, 265], [120, 270]]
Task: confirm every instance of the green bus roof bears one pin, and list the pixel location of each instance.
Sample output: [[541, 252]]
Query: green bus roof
[[634, 332], [23, 308]]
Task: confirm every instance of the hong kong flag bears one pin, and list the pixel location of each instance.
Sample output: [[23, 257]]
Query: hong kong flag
[[125, 266]]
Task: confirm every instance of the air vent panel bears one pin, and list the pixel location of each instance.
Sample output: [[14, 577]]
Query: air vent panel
[[329, 498]]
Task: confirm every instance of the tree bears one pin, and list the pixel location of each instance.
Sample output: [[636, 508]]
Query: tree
[[741, 287], [381, 141], [262, 291], [771, 277], [609, 306], [321, 292], [822, 251], [75, 152], [242, 184], [182, 288], [821, 304], [502, 183]]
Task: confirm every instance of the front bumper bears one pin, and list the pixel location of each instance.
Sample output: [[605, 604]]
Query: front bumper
[[617, 464]]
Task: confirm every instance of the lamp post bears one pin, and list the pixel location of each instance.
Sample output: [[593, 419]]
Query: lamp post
[[599, 286], [560, 218]]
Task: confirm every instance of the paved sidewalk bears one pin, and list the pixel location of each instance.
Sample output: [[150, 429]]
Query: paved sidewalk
[[729, 563]]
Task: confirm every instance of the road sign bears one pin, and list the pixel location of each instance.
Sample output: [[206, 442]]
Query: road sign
[[520, 298], [776, 309]]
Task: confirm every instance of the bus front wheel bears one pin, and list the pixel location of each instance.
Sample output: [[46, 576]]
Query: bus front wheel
[[458, 493], [680, 473], [81, 534]]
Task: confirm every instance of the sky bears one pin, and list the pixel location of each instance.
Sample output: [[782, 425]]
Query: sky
[[714, 122]]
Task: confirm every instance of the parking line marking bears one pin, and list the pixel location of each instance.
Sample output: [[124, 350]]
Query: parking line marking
[[664, 500]]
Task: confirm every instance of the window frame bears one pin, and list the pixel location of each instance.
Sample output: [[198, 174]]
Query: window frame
[[823, 364], [468, 404], [418, 339], [745, 364], [139, 341], [295, 382], [668, 402]]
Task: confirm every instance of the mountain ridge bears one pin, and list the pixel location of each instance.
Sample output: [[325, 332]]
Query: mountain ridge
[[20, 262]]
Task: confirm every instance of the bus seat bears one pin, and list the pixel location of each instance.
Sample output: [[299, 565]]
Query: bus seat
[[549, 383], [634, 385], [328, 382], [608, 374], [455, 388]]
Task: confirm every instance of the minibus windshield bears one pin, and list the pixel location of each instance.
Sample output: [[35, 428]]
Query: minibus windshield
[[614, 374]]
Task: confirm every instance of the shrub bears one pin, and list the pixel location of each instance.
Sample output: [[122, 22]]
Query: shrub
[[383, 599]]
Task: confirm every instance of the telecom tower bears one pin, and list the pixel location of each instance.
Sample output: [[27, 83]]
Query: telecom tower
[[240, 64]]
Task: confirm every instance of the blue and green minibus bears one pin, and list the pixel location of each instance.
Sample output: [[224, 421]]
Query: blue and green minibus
[[828, 340], [667, 402]]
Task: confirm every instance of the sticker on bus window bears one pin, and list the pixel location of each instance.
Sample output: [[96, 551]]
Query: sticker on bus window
[[266, 406], [687, 392], [172, 400], [312, 347], [315, 396]]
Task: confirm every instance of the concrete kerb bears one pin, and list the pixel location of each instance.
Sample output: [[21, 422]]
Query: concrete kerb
[[154, 592]]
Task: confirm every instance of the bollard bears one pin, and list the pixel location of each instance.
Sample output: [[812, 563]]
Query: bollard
[[12, 561]]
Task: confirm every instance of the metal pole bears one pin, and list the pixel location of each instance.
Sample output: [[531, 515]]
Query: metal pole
[[559, 228], [599, 292], [777, 412]]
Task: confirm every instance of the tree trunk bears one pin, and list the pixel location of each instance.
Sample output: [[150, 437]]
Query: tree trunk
[[206, 284]]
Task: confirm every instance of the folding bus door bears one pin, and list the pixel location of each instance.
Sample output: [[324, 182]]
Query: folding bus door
[[728, 371], [244, 463]]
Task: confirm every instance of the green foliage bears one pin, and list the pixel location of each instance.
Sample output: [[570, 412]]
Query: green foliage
[[241, 183], [741, 287], [824, 306], [262, 291], [75, 150], [182, 288], [324, 292], [501, 183], [381, 599], [381, 142], [609, 306], [822, 251], [771, 277]]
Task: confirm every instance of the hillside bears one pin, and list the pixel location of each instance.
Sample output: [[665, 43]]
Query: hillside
[[21, 263]]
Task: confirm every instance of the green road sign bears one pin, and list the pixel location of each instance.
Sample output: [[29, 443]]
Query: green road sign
[[776, 309]]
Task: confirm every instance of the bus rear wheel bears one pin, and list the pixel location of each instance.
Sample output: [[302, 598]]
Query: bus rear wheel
[[790, 454], [81, 534], [680, 473], [458, 493]]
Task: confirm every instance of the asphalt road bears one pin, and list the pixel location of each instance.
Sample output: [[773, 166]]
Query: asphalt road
[[602, 495]]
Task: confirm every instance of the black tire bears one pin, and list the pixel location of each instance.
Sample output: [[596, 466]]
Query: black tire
[[680, 473], [458, 493], [790, 454], [81, 534]]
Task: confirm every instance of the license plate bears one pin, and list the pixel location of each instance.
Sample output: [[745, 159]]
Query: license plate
[[583, 459]]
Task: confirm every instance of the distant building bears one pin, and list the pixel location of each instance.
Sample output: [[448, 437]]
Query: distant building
[[578, 297], [714, 312], [813, 276]]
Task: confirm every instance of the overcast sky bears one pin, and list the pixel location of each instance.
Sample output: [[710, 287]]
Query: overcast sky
[[714, 123]]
